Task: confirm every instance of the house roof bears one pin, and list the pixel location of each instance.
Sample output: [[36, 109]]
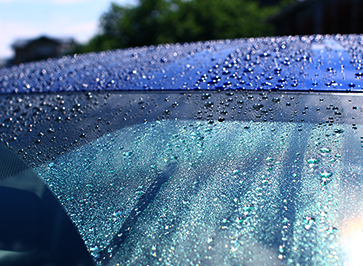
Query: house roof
[[22, 43]]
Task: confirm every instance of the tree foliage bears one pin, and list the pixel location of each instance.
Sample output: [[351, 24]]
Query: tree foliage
[[154, 22]]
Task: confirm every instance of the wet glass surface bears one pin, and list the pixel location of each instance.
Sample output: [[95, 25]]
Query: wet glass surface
[[184, 191]]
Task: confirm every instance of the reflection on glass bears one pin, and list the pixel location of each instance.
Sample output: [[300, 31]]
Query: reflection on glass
[[352, 240], [184, 191]]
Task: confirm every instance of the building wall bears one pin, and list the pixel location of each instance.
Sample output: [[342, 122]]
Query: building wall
[[42, 49], [36, 50]]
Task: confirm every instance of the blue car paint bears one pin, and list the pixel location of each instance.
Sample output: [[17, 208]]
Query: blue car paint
[[317, 63]]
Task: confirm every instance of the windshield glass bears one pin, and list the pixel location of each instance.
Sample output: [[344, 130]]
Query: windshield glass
[[273, 188]]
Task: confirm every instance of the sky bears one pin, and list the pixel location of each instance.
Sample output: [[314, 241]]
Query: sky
[[55, 18]]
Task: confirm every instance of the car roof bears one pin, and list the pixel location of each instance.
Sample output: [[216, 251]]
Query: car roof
[[242, 64]]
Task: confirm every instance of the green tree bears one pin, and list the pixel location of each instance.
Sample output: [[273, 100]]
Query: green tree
[[168, 21], [216, 19]]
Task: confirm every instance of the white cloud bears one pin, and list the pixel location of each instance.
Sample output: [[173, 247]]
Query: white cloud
[[69, 1], [81, 32]]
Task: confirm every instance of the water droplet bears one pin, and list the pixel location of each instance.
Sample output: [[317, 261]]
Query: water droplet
[[276, 99], [248, 208], [332, 230], [117, 214], [325, 150], [339, 130], [277, 70], [257, 106], [309, 221], [326, 174], [127, 153], [313, 161], [206, 96]]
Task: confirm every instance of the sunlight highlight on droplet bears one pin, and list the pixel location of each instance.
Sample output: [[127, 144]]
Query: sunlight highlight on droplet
[[352, 236]]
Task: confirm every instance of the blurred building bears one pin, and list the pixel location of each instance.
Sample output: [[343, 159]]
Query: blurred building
[[320, 17], [43, 47]]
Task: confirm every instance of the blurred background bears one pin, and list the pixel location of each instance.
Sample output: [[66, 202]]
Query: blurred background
[[41, 29]]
